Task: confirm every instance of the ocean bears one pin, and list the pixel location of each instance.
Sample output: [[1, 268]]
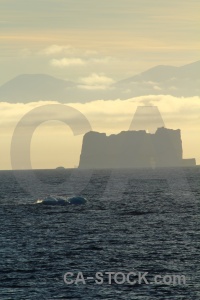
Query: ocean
[[134, 222]]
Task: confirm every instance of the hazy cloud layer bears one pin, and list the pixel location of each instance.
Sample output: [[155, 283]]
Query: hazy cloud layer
[[95, 82], [56, 49], [104, 116], [66, 62], [176, 111]]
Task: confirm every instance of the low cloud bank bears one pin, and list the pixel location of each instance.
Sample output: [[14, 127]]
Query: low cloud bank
[[104, 116]]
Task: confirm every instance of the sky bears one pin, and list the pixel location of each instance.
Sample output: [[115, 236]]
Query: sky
[[115, 37], [88, 40]]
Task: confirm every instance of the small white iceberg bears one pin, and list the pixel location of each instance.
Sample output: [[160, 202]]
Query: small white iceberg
[[58, 200]]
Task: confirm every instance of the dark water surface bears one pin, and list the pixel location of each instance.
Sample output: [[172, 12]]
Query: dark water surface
[[142, 220]]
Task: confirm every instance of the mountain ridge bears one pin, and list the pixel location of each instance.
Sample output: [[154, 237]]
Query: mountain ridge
[[183, 81]]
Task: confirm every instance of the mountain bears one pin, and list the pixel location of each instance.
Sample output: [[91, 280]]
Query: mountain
[[34, 87], [181, 81], [166, 80]]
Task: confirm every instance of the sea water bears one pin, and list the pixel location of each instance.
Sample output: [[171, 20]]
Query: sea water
[[133, 221]]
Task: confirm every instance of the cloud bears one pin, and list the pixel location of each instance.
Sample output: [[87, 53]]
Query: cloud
[[112, 116], [66, 62], [80, 60], [168, 105], [178, 111], [95, 82], [56, 49], [157, 88]]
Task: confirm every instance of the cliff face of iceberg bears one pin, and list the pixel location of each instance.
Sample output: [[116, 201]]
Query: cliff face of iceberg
[[132, 149]]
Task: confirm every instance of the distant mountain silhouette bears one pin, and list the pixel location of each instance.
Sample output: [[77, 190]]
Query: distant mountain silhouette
[[160, 80], [162, 73], [168, 80], [34, 87]]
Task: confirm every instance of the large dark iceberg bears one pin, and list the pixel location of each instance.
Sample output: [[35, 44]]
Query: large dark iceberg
[[133, 149]]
